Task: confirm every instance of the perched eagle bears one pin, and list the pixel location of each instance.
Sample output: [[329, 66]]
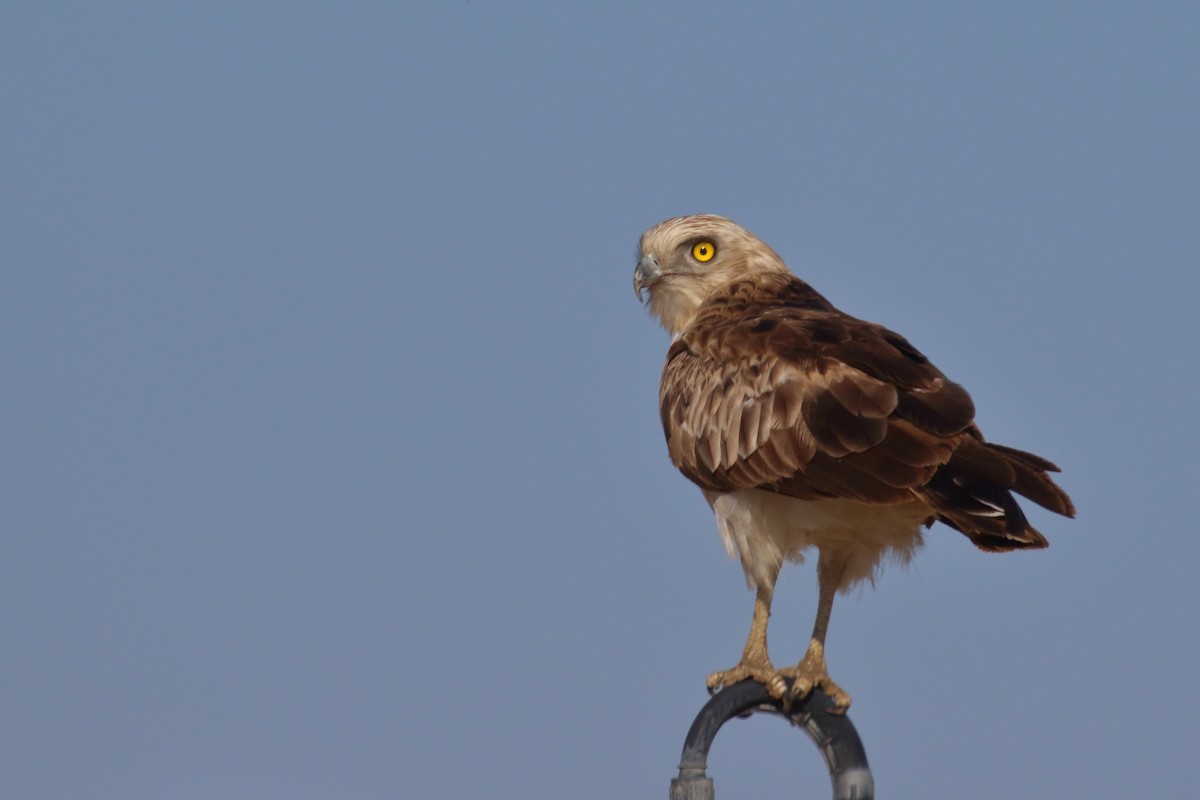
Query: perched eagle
[[805, 427]]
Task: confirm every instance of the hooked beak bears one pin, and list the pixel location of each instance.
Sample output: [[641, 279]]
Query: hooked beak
[[645, 275]]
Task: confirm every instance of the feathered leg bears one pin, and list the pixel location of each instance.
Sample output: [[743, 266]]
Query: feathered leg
[[755, 662], [812, 670]]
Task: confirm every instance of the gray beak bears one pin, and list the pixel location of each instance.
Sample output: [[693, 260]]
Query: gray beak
[[646, 274]]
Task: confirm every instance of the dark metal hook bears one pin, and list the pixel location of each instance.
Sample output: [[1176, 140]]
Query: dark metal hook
[[832, 732]]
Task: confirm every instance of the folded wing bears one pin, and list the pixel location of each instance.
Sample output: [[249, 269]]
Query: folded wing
[[773, 388]]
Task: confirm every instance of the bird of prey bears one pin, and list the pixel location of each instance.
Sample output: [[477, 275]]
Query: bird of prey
[[807, 428]]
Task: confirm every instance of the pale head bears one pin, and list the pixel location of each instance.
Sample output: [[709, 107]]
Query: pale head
[[684, 259]]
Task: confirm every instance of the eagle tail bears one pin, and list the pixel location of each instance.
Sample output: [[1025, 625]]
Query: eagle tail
[[972, 493]]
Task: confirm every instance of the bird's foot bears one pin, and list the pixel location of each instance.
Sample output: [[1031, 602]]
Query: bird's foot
[[810, 673], [757, 669]]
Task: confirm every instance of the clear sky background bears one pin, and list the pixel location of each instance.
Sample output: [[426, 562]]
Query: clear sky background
[[331, 458]]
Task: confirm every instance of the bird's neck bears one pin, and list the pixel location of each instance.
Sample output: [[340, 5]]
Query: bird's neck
[[674, 303]]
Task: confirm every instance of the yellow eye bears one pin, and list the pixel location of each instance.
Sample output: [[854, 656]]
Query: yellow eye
[[704, 251]]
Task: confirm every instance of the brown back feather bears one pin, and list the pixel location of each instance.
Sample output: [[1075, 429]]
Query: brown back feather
[[771, 387]]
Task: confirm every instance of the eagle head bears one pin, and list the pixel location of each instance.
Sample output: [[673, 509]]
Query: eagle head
[[683, 260]]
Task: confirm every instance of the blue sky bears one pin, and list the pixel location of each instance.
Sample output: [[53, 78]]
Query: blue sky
[[332, 461]]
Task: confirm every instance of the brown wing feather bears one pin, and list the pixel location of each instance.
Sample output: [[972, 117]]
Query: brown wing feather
[[773, 388]]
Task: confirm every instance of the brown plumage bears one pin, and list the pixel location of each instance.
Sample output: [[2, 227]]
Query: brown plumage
[[805, 427]]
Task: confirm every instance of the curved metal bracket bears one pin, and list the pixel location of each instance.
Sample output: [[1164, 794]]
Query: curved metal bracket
[[833, 734]]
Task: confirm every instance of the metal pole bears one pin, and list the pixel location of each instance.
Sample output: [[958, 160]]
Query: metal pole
[[833, 734]]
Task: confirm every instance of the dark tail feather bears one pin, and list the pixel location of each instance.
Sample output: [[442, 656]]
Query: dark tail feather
[[1033, 540], [1013, 469], [972, 494], [1034, 483]]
